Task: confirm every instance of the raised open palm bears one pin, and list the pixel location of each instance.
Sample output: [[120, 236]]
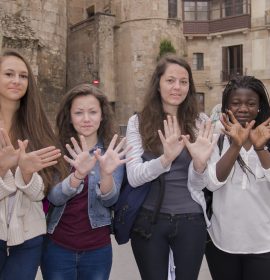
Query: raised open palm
[[35, 161], [172, 145], [8, 155], [81, 159], [113, 157], [202, 148], [260, 135], [235, 130]]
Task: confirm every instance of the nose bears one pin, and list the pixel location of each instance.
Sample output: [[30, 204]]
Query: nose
[[86, 117], [243, 108], [16, 79], [176, 84]]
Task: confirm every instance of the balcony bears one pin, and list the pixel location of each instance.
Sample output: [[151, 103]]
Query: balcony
[[215, 16]]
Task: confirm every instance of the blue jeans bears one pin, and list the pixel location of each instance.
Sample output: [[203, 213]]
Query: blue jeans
[[59, 263], [20, 261]]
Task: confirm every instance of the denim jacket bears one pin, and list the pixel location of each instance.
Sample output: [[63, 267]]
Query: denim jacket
[[98, 203]]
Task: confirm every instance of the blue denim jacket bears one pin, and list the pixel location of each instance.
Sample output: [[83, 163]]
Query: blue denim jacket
[[98, 204]]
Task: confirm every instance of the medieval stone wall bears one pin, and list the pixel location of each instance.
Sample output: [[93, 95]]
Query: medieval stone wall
[[38, 30]]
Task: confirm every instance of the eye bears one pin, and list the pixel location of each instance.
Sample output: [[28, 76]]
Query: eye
[[170, 81], [8, 74], [78, 113], [24, 77], [184, 83]]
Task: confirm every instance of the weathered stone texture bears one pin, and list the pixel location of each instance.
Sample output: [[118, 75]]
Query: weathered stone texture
[[38, 29]]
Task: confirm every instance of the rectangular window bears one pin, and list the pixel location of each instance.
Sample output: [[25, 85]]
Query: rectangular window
[[232, 62], [233, 7], [197, 61], [196, 10], [172, 8]]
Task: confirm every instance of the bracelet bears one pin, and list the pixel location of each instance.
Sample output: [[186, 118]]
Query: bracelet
[[81, 179], [264, 148]]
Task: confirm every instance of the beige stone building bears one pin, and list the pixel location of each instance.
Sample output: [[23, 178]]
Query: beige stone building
[[116, 43], [38, 29]]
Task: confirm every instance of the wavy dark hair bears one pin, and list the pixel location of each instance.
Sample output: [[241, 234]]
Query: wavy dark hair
[[256, 85], [30, 122], [64, 127], [152, 115]]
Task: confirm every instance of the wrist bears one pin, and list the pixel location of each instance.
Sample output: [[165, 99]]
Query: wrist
[[165, 161], [199, 167], [78, 176], [262, 148]]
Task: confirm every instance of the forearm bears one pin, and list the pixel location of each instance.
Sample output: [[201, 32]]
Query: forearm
[[106, 182], [264, 157], [226, 163]]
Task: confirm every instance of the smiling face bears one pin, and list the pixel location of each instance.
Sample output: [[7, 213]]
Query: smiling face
[[13, 78], [86, 115], [244, 103], [174, 87]]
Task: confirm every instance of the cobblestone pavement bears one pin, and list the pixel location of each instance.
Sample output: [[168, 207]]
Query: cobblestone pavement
[[124, 266]]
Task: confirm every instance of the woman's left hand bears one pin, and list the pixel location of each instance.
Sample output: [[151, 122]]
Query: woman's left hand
[[202, 148], [113, 157], [260, 135], [35, 161]]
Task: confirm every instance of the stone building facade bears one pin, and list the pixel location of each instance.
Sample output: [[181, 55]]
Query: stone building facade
[[219, 39], [38, 29], [116, 42]]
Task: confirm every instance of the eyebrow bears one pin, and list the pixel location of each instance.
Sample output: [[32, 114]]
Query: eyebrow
[[12, 70]]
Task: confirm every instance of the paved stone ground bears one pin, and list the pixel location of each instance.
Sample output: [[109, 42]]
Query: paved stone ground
[[124, 266]]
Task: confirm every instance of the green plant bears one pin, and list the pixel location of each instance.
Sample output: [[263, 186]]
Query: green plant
[[166, 46]]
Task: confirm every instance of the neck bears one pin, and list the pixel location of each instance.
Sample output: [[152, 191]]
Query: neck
[[7, 111], [91, 141], [171, 110]]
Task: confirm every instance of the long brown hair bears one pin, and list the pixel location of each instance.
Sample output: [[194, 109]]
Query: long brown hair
[[152, 115], [64, 127], [30, 122]]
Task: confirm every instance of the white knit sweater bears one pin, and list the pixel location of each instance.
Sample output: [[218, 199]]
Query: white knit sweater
[[27, 218]]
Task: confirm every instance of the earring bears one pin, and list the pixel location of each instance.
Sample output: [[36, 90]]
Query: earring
[[259, 110]]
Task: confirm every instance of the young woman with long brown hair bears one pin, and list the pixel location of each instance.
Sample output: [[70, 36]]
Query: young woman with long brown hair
[[28, 168], [165, 138], [78, 244]]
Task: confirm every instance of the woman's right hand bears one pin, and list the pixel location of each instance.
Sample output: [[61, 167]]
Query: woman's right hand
[[81, 159], [8, 155], [234, 129], [172, 146]]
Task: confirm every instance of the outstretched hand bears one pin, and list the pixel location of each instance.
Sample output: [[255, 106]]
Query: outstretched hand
[[260, 135], [8, 155], [35, 161], [234, 129], [171, 142], [113, 157], [202, 148], [81, 159]]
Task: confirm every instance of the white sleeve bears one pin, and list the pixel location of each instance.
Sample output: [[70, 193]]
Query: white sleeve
[[140, 172]]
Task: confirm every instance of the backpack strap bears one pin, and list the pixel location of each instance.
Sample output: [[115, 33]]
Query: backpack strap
[[156, 211]]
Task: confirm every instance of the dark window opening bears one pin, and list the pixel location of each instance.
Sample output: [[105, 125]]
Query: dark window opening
[[196, 10], [233, 7], [232, 62], [172, 8], [90, 11], [197, 61]]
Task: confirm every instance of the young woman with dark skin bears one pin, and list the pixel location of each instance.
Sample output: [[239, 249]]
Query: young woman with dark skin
[[239, 176]]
